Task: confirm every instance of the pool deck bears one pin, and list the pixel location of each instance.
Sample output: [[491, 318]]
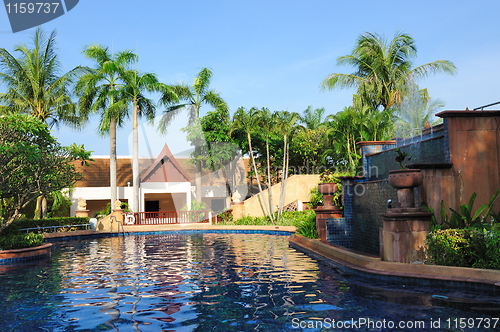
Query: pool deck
[[352, 260]]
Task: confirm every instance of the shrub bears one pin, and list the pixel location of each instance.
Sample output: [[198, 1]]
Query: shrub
[[19, 241], [30, 223], [304, 221], [465, 248], [107, 210]]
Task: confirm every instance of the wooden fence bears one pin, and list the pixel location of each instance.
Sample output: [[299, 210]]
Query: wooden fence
[[165, 217]]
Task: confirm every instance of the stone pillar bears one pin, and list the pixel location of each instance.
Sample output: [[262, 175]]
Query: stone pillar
[[118, 213], [404, 233], [238, 210], [323, 213]]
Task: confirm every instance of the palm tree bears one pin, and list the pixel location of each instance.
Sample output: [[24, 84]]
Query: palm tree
[[35, 86], [193, 98], [267, 123], [312, 118], [383, 70], [247, 122], [34, 82], [286, 123], [100, 92], [135, 86]]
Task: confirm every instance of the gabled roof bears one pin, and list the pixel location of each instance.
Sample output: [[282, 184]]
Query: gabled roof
[[165, 169]]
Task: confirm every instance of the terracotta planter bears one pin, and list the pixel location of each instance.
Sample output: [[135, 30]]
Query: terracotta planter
[[327, 188], [405, 178]]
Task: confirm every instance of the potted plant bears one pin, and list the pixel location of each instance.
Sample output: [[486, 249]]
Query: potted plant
[[404, 177], [329, 187]]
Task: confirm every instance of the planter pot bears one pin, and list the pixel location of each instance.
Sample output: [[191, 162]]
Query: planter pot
[[327, 188], [405, 178]]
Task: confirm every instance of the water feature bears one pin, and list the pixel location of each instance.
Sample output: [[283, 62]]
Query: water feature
[[211, 282]]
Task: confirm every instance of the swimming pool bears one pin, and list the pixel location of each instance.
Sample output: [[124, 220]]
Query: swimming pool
[[213, 282]]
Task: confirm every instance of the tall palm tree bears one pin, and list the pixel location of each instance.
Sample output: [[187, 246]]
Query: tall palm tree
[[247, 122], [136, 84], [100, 92], [193, 97], [286, 123], [35, 83], [383, 70], [267, 123], [36, 86]]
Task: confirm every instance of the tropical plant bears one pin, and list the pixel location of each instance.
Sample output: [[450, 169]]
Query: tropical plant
[[32, 164], [246, 121], [100, 92], [286, 122], [383, 70], [193, 97], [312, 118], [401, 157], [36, 87], [466, 218], [136, 84], [34, 83]]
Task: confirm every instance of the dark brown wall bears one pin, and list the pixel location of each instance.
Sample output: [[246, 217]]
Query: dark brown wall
[[475, 155]]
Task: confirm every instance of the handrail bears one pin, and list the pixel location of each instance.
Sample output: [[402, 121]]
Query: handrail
[[119, 223], [53, 227]]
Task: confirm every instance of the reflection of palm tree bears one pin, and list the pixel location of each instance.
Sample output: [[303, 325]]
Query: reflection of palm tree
[[194, 96], [383, 70], [417, 109], [99, 92]]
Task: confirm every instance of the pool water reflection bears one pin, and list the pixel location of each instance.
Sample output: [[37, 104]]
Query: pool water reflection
[[205, 282]]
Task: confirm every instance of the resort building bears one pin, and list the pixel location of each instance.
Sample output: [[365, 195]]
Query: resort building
[[166, 183]]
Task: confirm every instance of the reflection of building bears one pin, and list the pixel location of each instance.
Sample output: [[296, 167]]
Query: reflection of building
[[167, 183]]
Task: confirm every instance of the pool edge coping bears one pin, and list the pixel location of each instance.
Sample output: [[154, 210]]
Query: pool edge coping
[[377, 266]]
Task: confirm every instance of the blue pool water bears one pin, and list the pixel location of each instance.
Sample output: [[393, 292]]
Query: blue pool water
[[215, 282]]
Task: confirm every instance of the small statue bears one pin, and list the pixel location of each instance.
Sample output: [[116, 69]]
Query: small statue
[[236, 196], [82, 204], [118, 204]]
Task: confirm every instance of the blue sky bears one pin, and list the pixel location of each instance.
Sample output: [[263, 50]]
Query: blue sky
[[273, 53]]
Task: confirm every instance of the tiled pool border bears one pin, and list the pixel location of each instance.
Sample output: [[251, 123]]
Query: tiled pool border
[[182, 231], [393, 277]]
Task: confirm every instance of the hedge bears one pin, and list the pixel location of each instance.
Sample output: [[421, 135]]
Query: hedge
[[30, 223], [20, 241]]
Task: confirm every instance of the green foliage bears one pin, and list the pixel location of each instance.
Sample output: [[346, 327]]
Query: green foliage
[[196, 206], [383, 70], [315, 198], [466, 218], [478, 248], [107, 210], [30, 223], [20, 241], [400, 157], [33, 163], [304, 221]]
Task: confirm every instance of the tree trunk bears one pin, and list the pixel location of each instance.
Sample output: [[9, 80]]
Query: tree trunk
[[271, 205], [38, 208], [258, 180], [112, 160], [44, 207], [280, 207], [135, 161]]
